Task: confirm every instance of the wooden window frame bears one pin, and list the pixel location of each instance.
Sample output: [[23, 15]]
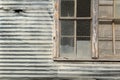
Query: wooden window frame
[[75, 18], [94, 32]]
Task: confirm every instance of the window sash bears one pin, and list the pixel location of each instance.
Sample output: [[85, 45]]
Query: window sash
[[75, 19], [113, 19]]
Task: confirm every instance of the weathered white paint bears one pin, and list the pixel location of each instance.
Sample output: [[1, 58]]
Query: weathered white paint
[[26, 45]]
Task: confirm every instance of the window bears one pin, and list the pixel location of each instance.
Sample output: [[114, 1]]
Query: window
[[75, 25], [88, 29], [109, 29]]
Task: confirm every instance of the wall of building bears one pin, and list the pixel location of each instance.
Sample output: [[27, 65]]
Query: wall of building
[[26, 45], [26, 38]]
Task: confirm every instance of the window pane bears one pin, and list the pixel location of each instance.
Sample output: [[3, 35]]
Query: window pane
[[117, 8], [117, 31], [105, 39], [67, 47], [105, 30], [67, 8], [105, 11], [83, 49], [83, 39], [105, 47], [67, 28], [110, 2], [117, 37], [83, 8], [117, 47], [83, 28]]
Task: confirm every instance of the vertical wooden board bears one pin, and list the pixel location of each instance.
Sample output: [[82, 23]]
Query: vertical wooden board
[[95, 29]]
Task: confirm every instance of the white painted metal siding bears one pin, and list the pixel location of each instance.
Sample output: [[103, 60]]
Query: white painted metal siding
[[26, 45], [26, 38]]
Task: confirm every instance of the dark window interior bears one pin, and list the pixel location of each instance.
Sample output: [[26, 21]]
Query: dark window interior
[[67, 27], [83, 30], [67, 41], [67, 8], [83, 8]]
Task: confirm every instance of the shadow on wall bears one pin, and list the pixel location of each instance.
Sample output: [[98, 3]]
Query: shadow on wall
[[53, 79]]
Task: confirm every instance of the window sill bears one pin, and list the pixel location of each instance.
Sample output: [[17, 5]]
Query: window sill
[[85, 60]]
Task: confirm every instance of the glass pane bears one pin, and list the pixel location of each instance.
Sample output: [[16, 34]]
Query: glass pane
[[117, 8], [67, 28], [117, 37], [105, 11], [109, 2], [83, 8], [105, 47], [67, 8], [117, 31], [105, 39], [117, 46], [105, 31], [83, 39], [67, 47], [83, 28], [83, 49]]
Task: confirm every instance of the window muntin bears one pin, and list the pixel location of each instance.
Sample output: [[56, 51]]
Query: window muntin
[[75, 29]]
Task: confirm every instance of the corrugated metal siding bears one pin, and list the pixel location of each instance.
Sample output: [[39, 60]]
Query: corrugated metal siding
[[26, 38], [89, 70], [26, 45]]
